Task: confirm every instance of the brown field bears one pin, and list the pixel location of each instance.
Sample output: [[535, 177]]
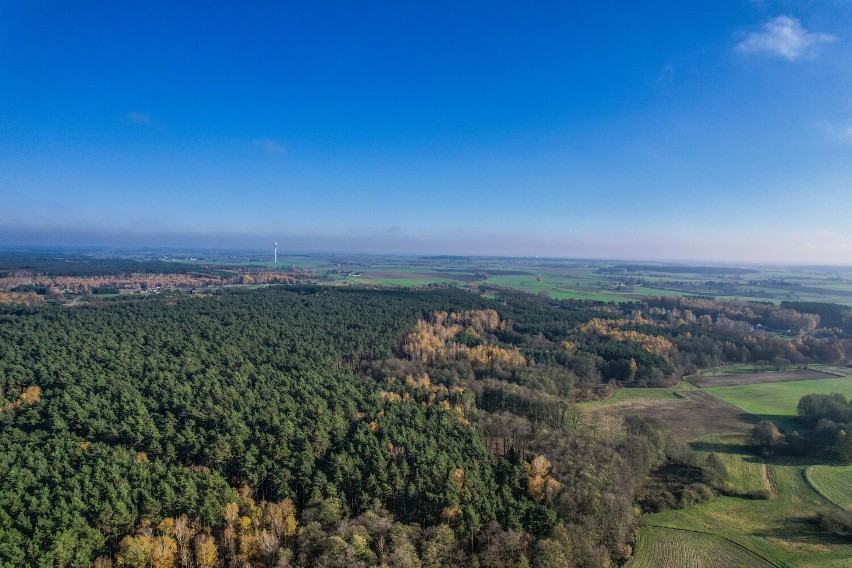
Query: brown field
[[756, 378], [693, 415]]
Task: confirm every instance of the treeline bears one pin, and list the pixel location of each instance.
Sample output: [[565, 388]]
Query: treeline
[[831, 315], [827, 432], [50, 264]]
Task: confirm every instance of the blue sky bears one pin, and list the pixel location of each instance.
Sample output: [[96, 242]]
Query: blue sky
[[660, 130]]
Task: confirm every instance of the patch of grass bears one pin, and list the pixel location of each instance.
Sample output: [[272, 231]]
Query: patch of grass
[[659, 547], [622, 394], [727, 370], [779, 399], [834, 482], [746, 471]]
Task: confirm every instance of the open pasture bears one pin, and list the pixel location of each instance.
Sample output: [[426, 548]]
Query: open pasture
[[779, 399], [834, 482], [659, 547], [730, 379]]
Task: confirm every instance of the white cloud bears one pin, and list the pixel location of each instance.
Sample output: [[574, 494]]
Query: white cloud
[[838, 130], [271, 147], [784, 37], [138, 118]]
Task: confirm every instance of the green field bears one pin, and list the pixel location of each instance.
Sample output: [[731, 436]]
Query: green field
[[659, 547], [623, 394], [781, 530], [746, 471], [834, 482], [779, 399], [728, 370]]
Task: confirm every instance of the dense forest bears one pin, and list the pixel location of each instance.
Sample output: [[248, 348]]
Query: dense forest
[[309, 426], [61, 264]]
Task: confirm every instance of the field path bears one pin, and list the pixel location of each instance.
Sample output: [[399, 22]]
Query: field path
[[772, 491]]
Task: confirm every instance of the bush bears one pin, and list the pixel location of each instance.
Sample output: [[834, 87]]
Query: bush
[[715, 472], [759, 494]]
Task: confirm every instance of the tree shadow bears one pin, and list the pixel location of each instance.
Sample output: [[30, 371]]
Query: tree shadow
[[802, 529], [719, 448], [785, 422]]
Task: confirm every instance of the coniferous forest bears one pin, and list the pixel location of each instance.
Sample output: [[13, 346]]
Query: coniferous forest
[[309, 426]]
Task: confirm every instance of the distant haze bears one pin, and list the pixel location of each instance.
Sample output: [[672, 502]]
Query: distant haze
[[465, 244]]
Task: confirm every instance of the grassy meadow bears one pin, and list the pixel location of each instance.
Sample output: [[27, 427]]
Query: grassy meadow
[[779, 398], [736, 529], [781, 529], [834, 482]]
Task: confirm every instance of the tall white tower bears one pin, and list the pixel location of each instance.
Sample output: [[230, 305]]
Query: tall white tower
[[276, 252]]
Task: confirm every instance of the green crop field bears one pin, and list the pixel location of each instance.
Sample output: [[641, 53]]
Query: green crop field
[[834, 482], [659, 547], [779, 399], [781, 529]]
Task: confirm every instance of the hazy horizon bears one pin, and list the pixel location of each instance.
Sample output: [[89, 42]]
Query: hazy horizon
[[390, 245], [705, 132]]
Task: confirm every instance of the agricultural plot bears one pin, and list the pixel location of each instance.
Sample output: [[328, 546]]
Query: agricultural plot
[[663, 547], [731, 379], [737, 530], [747, 472], [781, 530], [779, 399], [638, 394], [834, 482], [685, 415]]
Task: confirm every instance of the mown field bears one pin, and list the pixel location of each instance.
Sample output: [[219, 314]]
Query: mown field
[[834, 482], [779, 398], [661, 547]]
